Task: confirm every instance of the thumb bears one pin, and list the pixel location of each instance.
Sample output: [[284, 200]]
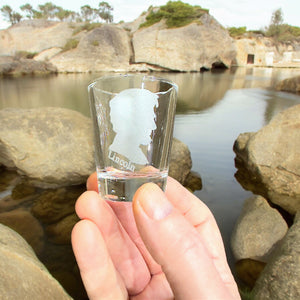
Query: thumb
[[176, 245]]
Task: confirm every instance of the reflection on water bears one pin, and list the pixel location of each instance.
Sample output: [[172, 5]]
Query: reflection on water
[[213, 109]]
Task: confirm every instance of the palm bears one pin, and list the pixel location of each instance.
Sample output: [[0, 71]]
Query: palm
[[140, 275]]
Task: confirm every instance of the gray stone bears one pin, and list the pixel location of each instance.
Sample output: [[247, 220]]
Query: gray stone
[[23, 66], [289, 85], [268, 161], [187, 48], [258, 230], [106, 48], [34, 36], [51, 146], [26, 225], [180, 161], [60, 232], [55, 204], [22, 275], [281, 277]]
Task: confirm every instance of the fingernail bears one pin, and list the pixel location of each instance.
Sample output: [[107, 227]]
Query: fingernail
[[154, 202]]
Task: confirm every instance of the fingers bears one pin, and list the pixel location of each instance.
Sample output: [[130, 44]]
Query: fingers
[[127, 259], [92, 183], [198, 214], [97, 270], [177, 246]]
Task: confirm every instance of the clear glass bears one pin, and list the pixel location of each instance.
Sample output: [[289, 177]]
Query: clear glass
[[133, 120]]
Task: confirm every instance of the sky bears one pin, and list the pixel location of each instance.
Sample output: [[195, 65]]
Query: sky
[[254, 14]]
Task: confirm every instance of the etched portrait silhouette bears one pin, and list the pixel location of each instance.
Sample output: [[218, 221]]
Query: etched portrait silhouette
[[133, 118]]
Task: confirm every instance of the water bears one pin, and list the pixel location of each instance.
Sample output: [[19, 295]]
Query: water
[[212, 110], [120, 185]]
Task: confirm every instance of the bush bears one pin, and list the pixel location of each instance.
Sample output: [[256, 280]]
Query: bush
[[237, 31], [176, 14], [70, 44], [86, 26], [25, 54], [283, 32]]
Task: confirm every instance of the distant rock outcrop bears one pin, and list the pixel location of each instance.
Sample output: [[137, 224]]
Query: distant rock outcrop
[[105, 48], [34, 36], [202, 44]]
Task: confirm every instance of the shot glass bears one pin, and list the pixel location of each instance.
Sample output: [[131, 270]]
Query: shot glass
[[133, 121]]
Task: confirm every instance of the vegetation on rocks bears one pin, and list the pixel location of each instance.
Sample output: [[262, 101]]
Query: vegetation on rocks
[[71, 44], [176, 14], [277, 30]]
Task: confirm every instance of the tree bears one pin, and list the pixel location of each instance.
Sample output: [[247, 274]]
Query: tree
[[48, 10], [275, 28], [7, 12], [28, 8], [87, 13], [11, 16], [277, 17], [105, 12]]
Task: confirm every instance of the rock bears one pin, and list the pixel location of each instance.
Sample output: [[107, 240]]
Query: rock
[[248, 270], [281, 277], [268, 161], [189, 48], [26, 225], [193, 181], [60, 232], [106, 48], [53, 205], [51, 146], [17, 67], [289, 85], [180, 161], [34, 36], [22, 275], [257, 231], [47, 54]]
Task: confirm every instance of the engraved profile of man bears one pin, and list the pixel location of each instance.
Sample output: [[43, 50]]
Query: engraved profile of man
[[133, 118]]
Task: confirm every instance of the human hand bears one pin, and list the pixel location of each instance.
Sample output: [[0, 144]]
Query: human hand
[[160, 246]]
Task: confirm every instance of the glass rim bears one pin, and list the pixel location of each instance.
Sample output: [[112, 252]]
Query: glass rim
[[172, 84]]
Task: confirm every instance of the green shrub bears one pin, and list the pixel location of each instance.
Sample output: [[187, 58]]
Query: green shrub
[[283, 32], [70, 44], [25, 54], [237, 31], [176, 14], [86, 26]]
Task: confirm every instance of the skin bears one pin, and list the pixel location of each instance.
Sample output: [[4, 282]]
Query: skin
[[160, 246]]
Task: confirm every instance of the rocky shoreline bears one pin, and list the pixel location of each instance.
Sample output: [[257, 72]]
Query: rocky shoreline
[[70, 48]]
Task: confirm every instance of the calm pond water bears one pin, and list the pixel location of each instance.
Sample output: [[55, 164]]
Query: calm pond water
[[213, 109]]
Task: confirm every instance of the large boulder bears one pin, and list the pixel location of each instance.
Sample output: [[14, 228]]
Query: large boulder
[[26, 225], [34, 36], [106, 48], [202, 44], [289, 85], [258, 230], [268, 161], [22, 275], [54, 147], [16, 67], [280, 279]]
